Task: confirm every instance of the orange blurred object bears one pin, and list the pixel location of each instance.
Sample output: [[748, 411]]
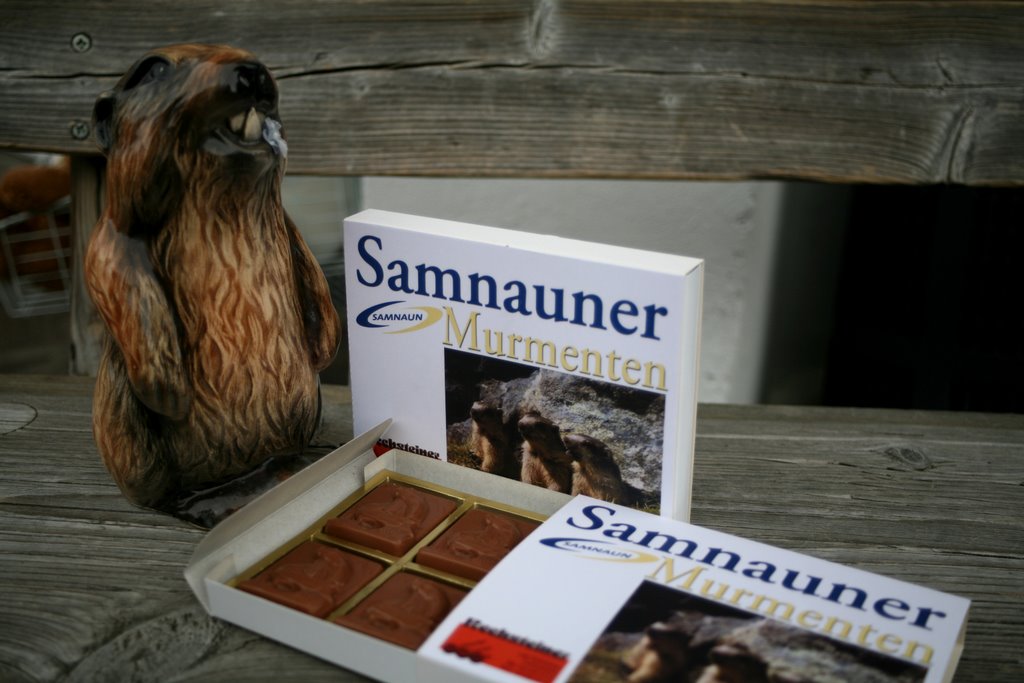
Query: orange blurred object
[[35, 234]]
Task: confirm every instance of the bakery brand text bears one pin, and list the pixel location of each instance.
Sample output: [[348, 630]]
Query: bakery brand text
[[586, 361], [549, 303], [596, 517], [701, 561]]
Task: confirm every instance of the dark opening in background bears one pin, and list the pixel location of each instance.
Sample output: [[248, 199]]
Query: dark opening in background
[[929, 309]]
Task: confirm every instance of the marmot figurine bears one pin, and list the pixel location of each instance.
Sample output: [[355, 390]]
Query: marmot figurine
[[220, 318]]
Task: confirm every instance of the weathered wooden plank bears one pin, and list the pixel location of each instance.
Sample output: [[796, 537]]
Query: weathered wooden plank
[[93, 587], [914, 92]]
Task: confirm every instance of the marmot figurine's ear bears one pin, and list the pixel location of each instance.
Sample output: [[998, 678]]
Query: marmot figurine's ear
[[102, 120]]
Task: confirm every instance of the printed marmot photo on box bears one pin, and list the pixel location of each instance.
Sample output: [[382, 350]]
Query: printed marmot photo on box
[[553, 429], [662, 635]]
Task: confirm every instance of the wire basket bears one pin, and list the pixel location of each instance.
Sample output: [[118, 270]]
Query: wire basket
[[35, 261]]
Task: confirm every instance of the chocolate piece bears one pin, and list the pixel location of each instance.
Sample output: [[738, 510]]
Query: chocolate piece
[[404, 610], [391, 518], [475, 543], [313, 578]]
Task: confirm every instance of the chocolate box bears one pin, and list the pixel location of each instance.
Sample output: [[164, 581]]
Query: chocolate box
[[437, 563], [487, 346], [405, 568], [326, 563], [603, 592]]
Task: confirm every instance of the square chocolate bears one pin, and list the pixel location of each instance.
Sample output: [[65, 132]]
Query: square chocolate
[[404, 610], [314, 578], [475, 543], [391, 518]]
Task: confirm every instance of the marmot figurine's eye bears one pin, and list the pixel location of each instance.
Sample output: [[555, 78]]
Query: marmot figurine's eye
[[149, 70]]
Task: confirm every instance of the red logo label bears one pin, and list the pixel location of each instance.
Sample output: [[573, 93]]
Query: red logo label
[[498, 649]]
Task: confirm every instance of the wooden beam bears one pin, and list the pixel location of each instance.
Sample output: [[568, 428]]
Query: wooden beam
[[865, 91]]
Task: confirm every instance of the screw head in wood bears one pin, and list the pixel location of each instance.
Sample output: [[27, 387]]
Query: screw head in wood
[[79, 130], [81, 42]]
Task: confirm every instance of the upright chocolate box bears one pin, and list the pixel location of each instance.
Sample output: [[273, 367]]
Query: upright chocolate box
[[567, 364]]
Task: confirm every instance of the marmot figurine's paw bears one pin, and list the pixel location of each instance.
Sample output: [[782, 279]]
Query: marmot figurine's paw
[[163, 399]]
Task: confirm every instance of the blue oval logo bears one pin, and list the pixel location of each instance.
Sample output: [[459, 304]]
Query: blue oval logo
[[396, 320], [605, 551]]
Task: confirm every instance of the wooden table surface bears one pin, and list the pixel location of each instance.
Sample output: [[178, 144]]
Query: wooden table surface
[[93, 590]]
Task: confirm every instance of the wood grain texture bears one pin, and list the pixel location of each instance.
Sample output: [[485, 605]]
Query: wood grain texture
[[94, 589], [872, 91], [93, 586]]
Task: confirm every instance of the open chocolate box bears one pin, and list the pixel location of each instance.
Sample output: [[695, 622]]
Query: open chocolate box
[[406, 568], [358, 558]]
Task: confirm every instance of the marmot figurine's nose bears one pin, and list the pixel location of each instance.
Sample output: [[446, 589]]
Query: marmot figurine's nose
[[252, 79]]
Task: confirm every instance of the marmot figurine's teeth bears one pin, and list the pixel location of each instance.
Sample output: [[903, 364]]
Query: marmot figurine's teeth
[[253, 126], [247, 125], [236, 122]]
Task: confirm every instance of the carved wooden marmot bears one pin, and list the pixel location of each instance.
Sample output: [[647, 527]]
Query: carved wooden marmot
[[219, 316]]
